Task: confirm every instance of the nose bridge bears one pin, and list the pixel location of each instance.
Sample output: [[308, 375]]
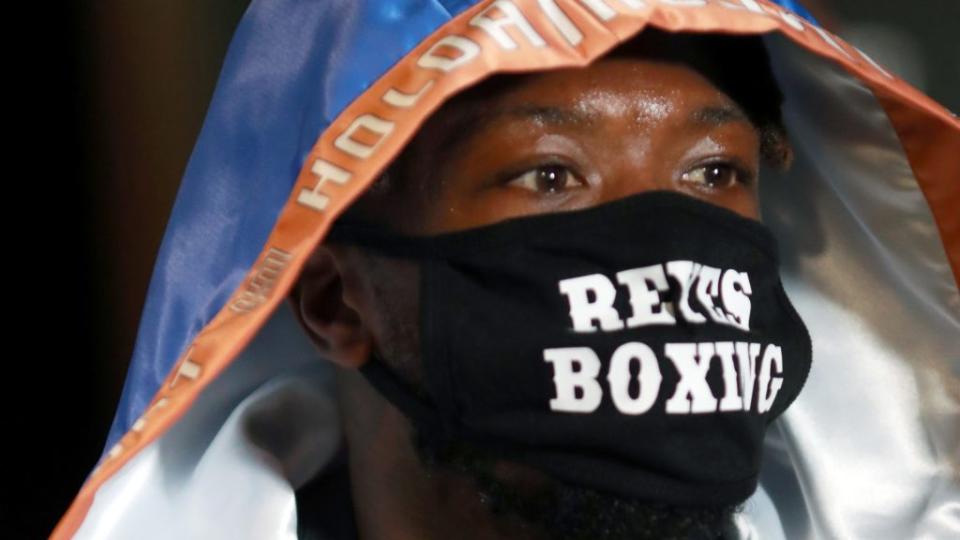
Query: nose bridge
[[635, 150], [634, 171]]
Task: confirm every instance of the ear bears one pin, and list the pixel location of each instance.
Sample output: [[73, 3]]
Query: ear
[[321, 304]]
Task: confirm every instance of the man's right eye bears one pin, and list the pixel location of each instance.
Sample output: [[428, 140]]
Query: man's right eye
[[551, 179]]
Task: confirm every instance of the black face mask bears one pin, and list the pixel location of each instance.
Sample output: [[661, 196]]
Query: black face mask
[[640, 347]]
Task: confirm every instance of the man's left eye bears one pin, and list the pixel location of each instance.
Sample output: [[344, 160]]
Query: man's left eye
[[547, 179], [716, 176]]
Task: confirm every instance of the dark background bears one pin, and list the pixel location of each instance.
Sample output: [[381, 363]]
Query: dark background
[[107, 100]]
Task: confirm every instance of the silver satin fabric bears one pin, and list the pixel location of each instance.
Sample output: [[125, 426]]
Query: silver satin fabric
[[869, 450], [229, 468], [873, 436]]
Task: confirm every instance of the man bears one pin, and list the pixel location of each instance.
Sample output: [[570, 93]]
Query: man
[[659, 113], [560, 312]]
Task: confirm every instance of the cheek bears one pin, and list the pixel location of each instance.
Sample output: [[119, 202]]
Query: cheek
[[392, 312], [742, 199], [748, 203], [745, 204]]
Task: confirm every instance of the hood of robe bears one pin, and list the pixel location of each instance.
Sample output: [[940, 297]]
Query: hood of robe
[[316, 98]]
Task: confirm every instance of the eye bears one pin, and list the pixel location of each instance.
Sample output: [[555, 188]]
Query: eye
[[547, 179], [717, 176]]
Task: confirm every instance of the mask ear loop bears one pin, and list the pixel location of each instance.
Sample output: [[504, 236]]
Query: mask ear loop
[[423, 414]]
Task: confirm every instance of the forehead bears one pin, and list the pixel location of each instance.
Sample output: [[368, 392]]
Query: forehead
[[611, 89], [654, 61], [701, 79], [607, 78], [654, 70], [632, 91]]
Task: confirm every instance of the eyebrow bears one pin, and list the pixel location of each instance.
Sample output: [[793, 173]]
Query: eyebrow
[[718, 115], [557, 116], [710, 116], [478, 119], [467, 124]]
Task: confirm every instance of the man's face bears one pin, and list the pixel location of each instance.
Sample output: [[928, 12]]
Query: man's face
[[548, 142]]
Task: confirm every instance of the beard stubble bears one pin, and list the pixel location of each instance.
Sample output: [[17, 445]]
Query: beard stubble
[[558, 510]]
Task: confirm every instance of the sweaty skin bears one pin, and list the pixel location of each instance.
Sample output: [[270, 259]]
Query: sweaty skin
[[553, 141], [575, 138]]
